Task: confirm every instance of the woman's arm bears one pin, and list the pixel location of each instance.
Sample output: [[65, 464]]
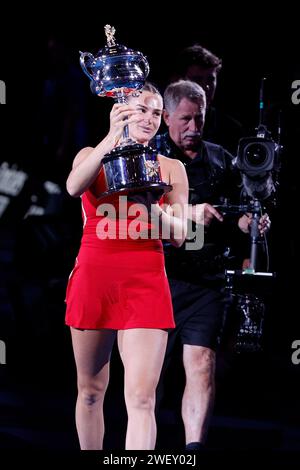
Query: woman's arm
[[86, 167], [174, 218], [88, 161]]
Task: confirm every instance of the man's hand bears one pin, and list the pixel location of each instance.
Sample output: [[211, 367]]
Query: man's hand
[[204, 214], [245, 221]]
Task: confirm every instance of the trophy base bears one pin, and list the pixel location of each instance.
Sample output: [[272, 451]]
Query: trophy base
[[153, 187], [132, 168]]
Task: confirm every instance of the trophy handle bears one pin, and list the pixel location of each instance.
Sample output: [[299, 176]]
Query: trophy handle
[[146, 65], [84, 67]]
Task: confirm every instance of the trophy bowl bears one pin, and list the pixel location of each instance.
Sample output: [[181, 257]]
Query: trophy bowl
[[116, 72]]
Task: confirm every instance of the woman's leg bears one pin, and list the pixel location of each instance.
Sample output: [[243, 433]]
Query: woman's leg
[[142, 351], [92, 350]]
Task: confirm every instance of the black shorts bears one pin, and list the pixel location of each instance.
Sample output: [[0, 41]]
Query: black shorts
[[198, 312]]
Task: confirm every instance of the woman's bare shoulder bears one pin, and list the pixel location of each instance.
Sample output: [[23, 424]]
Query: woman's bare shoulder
[[171, 163]]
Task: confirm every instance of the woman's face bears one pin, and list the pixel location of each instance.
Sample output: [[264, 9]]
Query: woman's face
[[150, 107]]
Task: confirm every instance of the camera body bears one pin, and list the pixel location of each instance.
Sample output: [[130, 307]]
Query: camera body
[[257, 155], [258, 160]]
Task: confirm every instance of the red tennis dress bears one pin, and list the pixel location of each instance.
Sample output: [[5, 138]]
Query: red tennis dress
[[119, 282]]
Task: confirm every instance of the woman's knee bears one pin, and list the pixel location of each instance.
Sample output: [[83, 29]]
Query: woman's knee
[[140, 398], [91, 392]]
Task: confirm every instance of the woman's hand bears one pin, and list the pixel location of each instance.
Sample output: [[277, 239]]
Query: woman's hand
[[121, 115]]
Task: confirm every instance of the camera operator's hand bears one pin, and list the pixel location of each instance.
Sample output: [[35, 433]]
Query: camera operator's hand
[[246, 219], [204, 213]]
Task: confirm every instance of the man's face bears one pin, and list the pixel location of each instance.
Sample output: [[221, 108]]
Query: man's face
[[186, 123], [207, 78]]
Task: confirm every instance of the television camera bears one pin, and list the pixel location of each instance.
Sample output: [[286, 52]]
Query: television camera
[[258, 161]]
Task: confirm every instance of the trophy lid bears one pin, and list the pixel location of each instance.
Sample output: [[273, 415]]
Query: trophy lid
[[112, 48]]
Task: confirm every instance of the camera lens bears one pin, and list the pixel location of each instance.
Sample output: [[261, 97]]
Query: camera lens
[[255, 155]]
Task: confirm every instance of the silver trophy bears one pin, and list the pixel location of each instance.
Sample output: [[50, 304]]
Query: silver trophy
[[116, 72]]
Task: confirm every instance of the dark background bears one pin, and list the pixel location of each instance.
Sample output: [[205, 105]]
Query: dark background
[[257, 402]]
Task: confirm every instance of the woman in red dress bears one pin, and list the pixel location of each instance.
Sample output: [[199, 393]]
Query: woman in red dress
[[118, 286]]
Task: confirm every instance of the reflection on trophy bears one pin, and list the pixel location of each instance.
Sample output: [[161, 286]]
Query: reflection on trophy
[[116, 72]]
